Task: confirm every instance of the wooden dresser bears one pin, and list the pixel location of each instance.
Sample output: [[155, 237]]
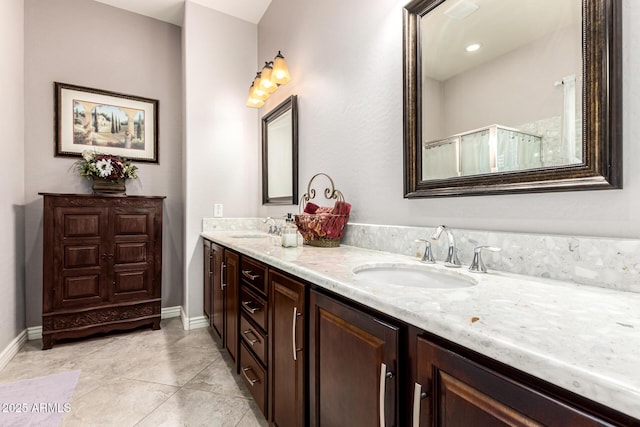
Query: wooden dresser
[[102, 264]]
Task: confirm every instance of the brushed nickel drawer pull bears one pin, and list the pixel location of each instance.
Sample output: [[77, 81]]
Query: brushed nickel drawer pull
[[222, 284], [247, 305], [418, 395], [251, 382], [250, 341], [293, 333], [248, 275]]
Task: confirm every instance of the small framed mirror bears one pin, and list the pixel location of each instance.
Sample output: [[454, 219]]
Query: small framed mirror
[[280, 154]]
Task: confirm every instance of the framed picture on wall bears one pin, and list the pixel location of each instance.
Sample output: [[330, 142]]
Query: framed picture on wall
[[105, 122]]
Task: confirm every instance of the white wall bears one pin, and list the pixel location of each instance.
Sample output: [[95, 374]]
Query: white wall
[[12, 311], [222, 146], [345, 60], [90, 44]]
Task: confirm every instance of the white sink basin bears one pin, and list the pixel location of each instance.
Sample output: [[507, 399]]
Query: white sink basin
[[414, 276]]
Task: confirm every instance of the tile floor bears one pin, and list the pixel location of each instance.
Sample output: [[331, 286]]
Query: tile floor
[[169, 377]]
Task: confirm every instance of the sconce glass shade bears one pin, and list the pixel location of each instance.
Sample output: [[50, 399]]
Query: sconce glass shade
[[266, 84], [258, 93], [280, 74], [254, 102]]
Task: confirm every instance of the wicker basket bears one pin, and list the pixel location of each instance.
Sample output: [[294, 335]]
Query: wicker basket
[[322, 226]]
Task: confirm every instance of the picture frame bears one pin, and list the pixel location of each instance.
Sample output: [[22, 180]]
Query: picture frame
[[105, 122]]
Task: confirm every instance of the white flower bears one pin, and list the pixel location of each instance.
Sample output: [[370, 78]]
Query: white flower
[[87, 155], [104, 167]]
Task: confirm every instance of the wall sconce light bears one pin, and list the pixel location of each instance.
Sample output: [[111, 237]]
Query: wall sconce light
[[267, 80]]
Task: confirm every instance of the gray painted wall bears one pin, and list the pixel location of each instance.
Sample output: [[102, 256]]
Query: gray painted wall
[[12, 311], [222, 146], [345, 60], [94, 45]]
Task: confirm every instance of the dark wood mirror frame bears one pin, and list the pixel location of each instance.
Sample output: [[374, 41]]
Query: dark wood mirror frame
[[289, 104], [602, 115]]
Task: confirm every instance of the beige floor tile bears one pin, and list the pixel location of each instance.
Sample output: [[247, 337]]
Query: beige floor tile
[[169, 377], [117, 402], [198, 408], [220, 377]]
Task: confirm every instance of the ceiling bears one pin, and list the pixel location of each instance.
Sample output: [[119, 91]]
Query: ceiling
[[172, 11], [499, 26]]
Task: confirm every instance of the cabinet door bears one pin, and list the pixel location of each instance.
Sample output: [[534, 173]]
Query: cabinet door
[[353, 366], [77, 272], [459, 392], [207, 281], [231, 313], [286, 366], [132, 257], [217, 290]]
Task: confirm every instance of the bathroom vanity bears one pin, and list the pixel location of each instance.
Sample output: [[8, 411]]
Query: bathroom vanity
[[319, 344]]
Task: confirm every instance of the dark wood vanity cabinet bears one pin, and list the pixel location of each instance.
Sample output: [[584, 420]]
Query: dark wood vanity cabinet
[[207, 298], [311, 358], [287, 312], [102, 264], [353, 366], [254, 330], [230, 285], [451, 389], [221, 286]]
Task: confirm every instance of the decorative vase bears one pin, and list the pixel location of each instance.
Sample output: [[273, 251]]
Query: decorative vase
[[107, 186]]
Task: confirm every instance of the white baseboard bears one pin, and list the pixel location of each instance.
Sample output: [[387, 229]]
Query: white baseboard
[[169, 312], [12, 349], [35, 332], [189, 323]]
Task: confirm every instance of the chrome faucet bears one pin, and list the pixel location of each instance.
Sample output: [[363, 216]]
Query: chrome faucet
[[273, 229], [452, 256], [427, 256], [477, 266]]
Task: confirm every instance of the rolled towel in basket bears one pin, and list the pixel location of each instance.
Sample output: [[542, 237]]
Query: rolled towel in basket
[[342, 208], [311, 208]]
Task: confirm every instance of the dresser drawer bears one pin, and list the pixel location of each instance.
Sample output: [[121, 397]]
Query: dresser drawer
[[254, 338], [254, 273], [254, 306], [254, 376]]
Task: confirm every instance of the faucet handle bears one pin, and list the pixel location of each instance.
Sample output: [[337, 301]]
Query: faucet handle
[[477, 265], [427, 257]]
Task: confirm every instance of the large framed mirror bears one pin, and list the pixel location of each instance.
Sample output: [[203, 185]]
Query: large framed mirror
[[511, 96], [280, 154]]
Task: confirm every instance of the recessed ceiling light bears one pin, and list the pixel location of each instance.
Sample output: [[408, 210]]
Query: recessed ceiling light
[[472, 47]]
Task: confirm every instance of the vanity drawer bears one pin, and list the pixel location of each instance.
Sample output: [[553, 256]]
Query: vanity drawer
[[254, 376], [254, 307], [254, 273], [254, 338]]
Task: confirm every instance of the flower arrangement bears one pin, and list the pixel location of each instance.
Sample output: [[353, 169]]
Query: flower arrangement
[[105, 166]]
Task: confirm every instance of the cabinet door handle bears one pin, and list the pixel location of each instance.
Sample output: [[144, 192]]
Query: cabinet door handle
[[222, 284], [418, 395], [248, 275], [293, 333], [250, 341], [247, 305], [383, 391], [252, 382]]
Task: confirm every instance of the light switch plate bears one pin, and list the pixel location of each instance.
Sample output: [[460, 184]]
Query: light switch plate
[[217, 210]]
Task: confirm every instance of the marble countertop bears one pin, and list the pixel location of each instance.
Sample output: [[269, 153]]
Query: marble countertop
[[582, 338]]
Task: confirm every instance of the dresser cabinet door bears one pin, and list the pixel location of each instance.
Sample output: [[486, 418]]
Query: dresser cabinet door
[[132, 259], [286, 366], [79, 265], [353, 366]]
